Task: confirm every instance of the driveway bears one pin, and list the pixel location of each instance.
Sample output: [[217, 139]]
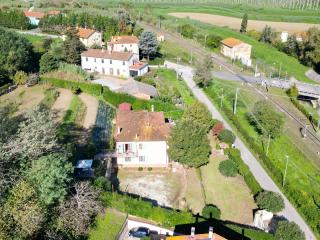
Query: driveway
[[257, 170]]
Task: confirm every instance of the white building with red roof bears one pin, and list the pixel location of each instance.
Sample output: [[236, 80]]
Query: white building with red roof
[[141, 138], [34, 16], [236, 49], [90, 37], [124, 44]]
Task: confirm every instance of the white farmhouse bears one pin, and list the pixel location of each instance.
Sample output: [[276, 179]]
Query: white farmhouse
[[141, 138], [236, 49], [90, 37], [124, 44], [34, 17]]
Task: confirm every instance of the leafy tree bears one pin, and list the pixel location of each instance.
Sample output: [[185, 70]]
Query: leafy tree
[[22, 213], [199, 114], [72, 47], [228, 168], [103, 183], [50, 174], [291, 46], [244, 23], [211, 211], [311, 49], [187, 30], [289, 231], [188, 144], [20, 78], [14, 18], [56, 49], [148, 43], [75, 214], [138, 31], [270, 201], [47, 44], [16, 53], [227, 136], [125, 23], [213, 41], [293, 91], [203, 72], [267, 35], [48, 62], [266, 119], [36, 136]]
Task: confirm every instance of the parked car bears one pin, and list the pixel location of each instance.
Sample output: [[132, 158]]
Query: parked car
[[139, 232]]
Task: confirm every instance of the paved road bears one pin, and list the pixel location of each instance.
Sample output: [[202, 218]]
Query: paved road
[[257, 170]]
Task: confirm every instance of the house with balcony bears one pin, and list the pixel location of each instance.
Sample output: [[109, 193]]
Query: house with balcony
[[141, 138]]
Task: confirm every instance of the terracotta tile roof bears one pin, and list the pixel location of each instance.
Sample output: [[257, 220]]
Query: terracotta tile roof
[[54, 12], [124, 39], [98, 53], [231, 42], [125, 106], [34, 14], [138, 65], [204, 236], [141, 126], [85, 32]]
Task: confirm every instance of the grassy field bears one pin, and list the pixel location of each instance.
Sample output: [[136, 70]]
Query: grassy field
[[107, 226], [302, 174], [231, 195]]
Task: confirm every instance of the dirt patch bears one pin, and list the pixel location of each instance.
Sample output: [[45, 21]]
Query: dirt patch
[[62, 103], [92, 110], [235, 23]]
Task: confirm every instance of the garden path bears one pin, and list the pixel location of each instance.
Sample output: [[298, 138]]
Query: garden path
[[62, 103]]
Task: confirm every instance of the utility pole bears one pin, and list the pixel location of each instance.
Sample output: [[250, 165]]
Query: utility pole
[[280, 70], [205, 39], [269, 138], [285, 171], [221, 98], [235, 102]]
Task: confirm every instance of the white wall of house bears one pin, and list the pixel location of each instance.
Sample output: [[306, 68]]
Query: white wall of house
[[142, 154], [108, 66], [34, 21], [141, 71], [94, 39], [128, 47], [241, 51]]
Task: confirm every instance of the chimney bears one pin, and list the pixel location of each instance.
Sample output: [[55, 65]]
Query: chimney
[[119, 130], [211, 233], [193, 231]]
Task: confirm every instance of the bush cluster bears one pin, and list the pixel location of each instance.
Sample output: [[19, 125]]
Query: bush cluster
[[228, 168], [227, 136], [301, 199], [211, 211], [270, 201]]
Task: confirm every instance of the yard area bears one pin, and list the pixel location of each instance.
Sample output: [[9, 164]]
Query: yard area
[[108, 225], [179, 189], [25, 97], [231, 195]]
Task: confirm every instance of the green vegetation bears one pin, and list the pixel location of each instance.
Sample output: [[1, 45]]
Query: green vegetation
[[302, 180], [211, 211], [107, 226], [227, 136], [14, 18], [272, 202], [288, 231], [51, 96], [228, 168], [148, 44], [76, 111]]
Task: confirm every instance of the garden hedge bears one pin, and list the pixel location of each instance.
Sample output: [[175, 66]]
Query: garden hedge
[[114, 98]]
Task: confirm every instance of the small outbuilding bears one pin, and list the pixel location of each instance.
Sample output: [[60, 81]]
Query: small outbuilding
[[236, 49]]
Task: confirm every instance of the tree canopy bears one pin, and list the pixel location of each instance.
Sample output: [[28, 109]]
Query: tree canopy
[[48, 62], [289, 231], [244, 23], [211, 211], [203, 75], [73, 47], [148, 43], [267, 35], [188, 143], [198, 113], [266, 119], [270, 201]]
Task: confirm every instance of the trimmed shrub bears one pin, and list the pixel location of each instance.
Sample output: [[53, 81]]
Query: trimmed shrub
[[211, 211], [227, 136], [270, 201], [228, 168], [289, 231], [103, 183]]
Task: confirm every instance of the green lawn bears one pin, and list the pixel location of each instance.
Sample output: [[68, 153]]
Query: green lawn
[[302, 176], [107, 226], [76, 111]]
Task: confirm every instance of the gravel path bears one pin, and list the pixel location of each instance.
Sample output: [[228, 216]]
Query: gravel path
[[92, 110], [62, 103], [259, 173]]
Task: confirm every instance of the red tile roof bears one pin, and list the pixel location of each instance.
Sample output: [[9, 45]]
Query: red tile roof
[[125, 106], [231, 42], [85, 32], [141, 126], [34, 14], [138, 65], [98, 53], [124, 39], [54, 12]]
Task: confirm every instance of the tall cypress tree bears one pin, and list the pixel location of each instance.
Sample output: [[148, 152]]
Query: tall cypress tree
[[244, 23], [73, 47]]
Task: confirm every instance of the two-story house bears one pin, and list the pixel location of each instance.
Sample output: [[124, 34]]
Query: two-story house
[[141, 138], [90, 37], [124, 44], [236, 49]]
